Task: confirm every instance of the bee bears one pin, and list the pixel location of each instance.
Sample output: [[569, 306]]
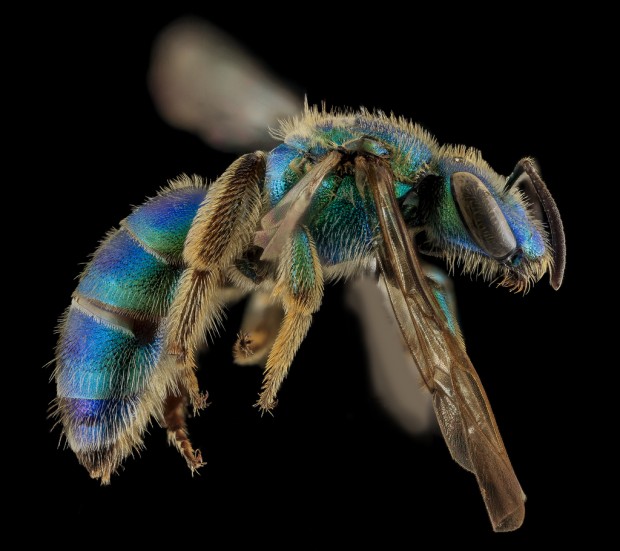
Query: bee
[[345, 194]]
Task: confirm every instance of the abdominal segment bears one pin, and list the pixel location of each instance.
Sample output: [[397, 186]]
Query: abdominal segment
[[112, 374]]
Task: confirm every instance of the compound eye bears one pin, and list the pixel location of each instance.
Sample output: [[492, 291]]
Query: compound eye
[[482, 216]]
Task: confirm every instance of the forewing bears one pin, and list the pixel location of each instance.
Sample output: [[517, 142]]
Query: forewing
[[279, 222], [461, 405]]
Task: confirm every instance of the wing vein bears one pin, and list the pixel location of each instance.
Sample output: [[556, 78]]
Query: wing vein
[[461, 405]]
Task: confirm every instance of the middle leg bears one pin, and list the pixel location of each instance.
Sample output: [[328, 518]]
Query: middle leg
[[300, 288]]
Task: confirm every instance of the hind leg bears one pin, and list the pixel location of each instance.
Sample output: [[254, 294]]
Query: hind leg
[[173, 417], [174, 422], [223, 227]]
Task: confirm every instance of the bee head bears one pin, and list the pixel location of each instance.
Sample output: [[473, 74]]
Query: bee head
[[507, 229]]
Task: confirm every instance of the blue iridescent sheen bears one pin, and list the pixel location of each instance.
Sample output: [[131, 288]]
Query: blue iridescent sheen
[[279, 176], [327, 136], [98, 360], [445, 308], [414, 152], [124, 275], [337, 218], [529, 240], [104, 368], [162, 223], [96, 423], [122, 355], [400, 189]]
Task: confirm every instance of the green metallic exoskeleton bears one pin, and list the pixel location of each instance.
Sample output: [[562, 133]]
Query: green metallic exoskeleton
[[344, 195]]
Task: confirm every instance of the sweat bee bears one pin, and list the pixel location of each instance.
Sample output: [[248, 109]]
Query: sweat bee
[[345, 194]]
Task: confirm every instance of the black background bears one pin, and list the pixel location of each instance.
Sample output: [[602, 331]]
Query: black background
[[330, 458]]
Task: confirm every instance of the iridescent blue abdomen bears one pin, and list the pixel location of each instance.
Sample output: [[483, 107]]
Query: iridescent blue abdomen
[[111, 337]]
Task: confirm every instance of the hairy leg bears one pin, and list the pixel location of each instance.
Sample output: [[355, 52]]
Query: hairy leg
[[300, 288], [261, 322], [174, 421], [223, 227]]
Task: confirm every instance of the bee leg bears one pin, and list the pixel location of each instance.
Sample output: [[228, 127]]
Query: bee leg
[[300, 288], [174, 421], [223, 227], [261, 321]]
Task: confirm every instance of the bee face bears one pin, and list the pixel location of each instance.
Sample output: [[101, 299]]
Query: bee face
[[487, 224]]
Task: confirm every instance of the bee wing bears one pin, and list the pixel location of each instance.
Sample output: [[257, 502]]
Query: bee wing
[[280, 221], [461, 405], [394, 374], [202, 80]]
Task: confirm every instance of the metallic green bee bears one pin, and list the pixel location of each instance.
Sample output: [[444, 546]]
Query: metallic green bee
[[345, 194]]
